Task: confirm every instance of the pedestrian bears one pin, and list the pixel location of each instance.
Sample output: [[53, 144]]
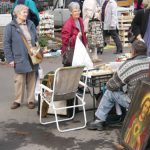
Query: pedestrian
[[17, 56], [72, 28], [129, 73], [109, 18], [138, 4], [93, 27], [141, 25], [33, 14]]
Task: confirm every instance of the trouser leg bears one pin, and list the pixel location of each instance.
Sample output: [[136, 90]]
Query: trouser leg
[[107, 102], [19, 83], [116, 39], [30, 86]]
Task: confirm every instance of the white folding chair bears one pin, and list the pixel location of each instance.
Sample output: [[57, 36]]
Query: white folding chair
[[65, 86]]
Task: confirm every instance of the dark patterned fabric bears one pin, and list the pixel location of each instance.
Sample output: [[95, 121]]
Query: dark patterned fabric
[[129, 74], [95, 34]]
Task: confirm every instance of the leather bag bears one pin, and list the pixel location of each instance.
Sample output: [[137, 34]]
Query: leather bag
[[35, 53]]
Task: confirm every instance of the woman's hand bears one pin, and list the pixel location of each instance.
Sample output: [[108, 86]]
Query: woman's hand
[[79, 35]]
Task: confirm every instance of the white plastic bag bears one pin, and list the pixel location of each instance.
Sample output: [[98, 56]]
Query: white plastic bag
[[40, 76], [81, 56]]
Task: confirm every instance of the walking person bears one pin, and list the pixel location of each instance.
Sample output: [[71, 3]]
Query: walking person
[[110, 18], [93, 27], [17, 56], [141, 25]]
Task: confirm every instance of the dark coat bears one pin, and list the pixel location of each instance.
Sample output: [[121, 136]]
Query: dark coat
[[70, 32], [140, 22], [15, 49]]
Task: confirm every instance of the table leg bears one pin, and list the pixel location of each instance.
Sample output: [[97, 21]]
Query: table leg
[[94, 103]]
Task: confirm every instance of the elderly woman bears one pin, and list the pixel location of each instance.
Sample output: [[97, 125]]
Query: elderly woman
[[72, 28], [17, 56], [141, 25]]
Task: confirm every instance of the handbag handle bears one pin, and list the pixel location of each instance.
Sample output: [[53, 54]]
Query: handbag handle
[[26, 44]]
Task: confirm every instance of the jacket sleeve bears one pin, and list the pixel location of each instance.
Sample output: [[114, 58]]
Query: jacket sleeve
[[7, 44], [66, 35], [115, 83]]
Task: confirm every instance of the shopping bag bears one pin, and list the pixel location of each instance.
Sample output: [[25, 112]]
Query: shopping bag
[[81, 56], [95, 34], [40, 76]]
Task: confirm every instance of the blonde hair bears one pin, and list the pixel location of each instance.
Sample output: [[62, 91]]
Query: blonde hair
[[18, 9], [146, 3]]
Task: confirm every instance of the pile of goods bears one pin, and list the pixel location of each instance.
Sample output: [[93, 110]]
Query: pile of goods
[[46, 25], [123, 57], [101, 69]]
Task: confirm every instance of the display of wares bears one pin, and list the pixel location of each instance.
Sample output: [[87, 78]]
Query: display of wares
[[123, 57], [46, 25], [5, 7]]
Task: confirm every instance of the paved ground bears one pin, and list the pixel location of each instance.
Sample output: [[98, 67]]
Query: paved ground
[[20, 129]]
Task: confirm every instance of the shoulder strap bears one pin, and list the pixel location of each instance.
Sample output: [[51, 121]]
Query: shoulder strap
[[26, 44]]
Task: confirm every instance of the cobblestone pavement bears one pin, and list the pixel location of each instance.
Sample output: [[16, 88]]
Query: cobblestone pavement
[[20, 129]]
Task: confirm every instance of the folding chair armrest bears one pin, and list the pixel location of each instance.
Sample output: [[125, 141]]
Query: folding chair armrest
[[46, 88], [83, 84]]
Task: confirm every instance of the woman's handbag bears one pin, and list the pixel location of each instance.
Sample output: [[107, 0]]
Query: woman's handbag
[[68, 56], [35, 53]]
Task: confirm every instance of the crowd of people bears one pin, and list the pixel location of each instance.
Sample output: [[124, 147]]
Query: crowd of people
[[130, 72]]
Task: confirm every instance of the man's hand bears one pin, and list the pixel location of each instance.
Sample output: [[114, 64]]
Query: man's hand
[[12, 64]]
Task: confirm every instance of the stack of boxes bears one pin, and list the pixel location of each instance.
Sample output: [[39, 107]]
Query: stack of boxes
[[124, 24], [46, 26]]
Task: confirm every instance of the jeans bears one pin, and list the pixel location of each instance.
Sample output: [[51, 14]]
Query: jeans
[[114, 35], [109, 99]]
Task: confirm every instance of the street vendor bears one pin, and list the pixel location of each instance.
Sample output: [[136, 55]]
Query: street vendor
[[129, 73]]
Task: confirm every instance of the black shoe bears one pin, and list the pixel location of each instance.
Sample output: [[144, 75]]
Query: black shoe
[[95, 125]]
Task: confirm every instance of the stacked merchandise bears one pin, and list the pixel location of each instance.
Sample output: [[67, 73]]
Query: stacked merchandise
[[124, 24], [46, 26], [5, 7]]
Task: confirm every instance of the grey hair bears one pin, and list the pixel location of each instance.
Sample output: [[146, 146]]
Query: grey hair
[[73, 5], [139, 47], [146, 3], [18, 9]]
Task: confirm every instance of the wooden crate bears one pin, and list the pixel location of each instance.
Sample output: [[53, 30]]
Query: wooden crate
[[1, 36], [125, 22]]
